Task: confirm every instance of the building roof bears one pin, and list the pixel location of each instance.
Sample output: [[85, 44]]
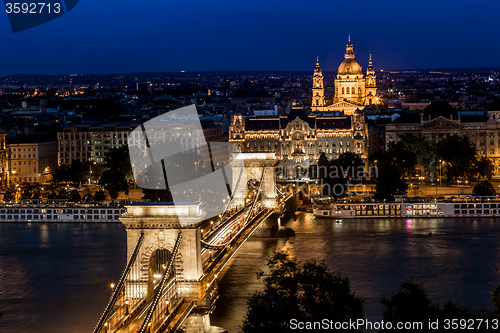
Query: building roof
[[255, 124], [273, 123], [479, 118], [439, 109], [297, 113], [407, 118], [31, 139], [337, 123]]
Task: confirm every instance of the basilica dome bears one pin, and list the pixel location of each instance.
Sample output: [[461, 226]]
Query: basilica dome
[[350, 66]]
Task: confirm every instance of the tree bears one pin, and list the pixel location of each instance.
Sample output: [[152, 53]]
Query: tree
[[62, 194], [411, 304], [459, 154], [495, 298], [62, 173], [404, 159], [118, 160], [99, 196], [484, 189], [114, 182], [335, 182], [419, 145], [94, 169], [389, 182], [352, 165], [322, 169], [306, 292], [76, 173], [10, 195], [484, 168], [74, 196], [157, 195]]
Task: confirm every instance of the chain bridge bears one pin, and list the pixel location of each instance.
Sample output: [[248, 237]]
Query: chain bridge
[[170, 279]]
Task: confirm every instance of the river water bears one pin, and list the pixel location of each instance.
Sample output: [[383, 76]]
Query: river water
[[55, 277]]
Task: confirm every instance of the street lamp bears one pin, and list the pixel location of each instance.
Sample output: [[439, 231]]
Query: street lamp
[[440, 167]]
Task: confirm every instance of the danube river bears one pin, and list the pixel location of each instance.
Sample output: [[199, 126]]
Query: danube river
[[55, 277]]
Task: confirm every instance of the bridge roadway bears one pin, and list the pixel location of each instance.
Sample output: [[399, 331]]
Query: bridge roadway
[[219, 245]]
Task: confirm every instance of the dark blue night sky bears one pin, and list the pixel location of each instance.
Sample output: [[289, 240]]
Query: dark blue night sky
[[111, 36]]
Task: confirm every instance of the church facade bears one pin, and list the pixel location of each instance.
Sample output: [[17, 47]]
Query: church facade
[[353, 89], [298, 139]]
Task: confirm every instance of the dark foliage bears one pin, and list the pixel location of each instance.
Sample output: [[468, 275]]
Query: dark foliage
[[306, 292], [114, 182], [389, 182], [484, 189], [99, 196]]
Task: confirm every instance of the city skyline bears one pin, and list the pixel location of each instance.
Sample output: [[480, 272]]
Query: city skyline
[[194, 36]]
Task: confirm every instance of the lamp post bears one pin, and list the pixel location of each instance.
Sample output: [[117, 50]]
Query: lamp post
[[440, 167]]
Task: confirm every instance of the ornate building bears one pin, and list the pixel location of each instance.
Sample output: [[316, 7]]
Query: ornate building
[[440, 120], [353, 90], [298, 139]]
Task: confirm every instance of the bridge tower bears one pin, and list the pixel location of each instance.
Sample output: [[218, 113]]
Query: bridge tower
[[259, 167], [160, 223], [163, 281]]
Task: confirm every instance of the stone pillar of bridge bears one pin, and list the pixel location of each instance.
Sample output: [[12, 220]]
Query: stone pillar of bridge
[[197, 323], [255, 164], [161, 223], [268, 188], [240, 189]]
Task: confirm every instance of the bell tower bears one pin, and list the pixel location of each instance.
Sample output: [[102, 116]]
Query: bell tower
[[371, 84], [318, 90]]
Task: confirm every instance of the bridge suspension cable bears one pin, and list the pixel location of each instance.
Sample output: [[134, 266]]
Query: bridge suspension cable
[[159, 288], [231, 198], [119, 286], [219, 246]]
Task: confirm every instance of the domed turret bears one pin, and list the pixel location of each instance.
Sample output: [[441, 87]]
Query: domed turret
[[349, 65]]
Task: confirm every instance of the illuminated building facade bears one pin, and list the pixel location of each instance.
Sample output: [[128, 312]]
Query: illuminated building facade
[[353, 90], [298, 139], [32, 162], [440, 120]]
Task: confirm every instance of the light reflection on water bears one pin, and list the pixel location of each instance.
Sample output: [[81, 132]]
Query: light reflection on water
[[55, 277], [456, 259]]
